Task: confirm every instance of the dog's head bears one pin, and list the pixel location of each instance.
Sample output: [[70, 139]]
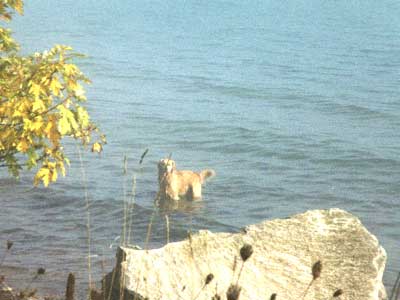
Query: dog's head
[[165, 166]]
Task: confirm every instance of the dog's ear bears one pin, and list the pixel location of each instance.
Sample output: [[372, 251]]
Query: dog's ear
[[161, 162]]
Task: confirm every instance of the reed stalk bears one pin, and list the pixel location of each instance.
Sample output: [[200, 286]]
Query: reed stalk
[[207, 281], [131, 206], [88, 221], [9, 245], [167, 225], [39, 272], [245, 252], [124, 202], [149, 228], [394, 295], [316, 273], [112, 281]]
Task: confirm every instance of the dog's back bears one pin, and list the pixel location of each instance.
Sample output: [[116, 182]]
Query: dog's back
[[180, 183], [186, 183]]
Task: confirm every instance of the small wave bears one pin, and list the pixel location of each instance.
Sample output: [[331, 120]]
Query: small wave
[[356, 111]]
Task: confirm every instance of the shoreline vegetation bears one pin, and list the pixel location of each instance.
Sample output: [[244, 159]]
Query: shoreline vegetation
[[28, 290]]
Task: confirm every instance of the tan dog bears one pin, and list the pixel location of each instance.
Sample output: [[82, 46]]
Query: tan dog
[[176, 184]]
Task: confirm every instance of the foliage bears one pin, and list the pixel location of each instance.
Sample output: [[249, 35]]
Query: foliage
[[41, 101]]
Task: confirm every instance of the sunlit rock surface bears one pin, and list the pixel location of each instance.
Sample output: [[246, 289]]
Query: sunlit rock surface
[[284, 252]]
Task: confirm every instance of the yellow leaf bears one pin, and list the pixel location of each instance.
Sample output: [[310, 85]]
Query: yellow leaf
[[17, 114], [37, 125], [35, 89], [27, 124], [38, 105], [23, 145], [60, 166], [72, 120], [70, 69], [47, 174], [18, 5], [79, 92], [53, 174], [44, 175], [97, 147], [52, 132], [67, 123], [83, 116], [64, 126], [55, 87]]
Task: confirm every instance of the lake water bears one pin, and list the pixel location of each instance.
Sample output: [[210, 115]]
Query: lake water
[[295, 105]]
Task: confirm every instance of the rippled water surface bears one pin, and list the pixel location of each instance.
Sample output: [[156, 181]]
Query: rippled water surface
[[294, 104]]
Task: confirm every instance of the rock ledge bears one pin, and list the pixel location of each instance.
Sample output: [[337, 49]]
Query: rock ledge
[[284, 251]]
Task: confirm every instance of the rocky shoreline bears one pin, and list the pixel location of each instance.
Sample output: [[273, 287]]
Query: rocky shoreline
[[319, 254], [285, 253]]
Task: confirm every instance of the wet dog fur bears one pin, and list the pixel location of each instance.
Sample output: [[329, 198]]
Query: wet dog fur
[[177, 184]]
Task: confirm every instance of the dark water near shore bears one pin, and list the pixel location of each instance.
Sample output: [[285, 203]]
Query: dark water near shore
[[295, 105]]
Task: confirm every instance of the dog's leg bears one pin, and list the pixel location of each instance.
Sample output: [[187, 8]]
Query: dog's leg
[[175, 197], [173, 194], [196, 191]]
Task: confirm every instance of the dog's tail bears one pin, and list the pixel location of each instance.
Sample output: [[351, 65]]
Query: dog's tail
[[205, 174]]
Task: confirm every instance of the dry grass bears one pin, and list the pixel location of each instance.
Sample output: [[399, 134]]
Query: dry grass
[[88, 232], [395, 294]]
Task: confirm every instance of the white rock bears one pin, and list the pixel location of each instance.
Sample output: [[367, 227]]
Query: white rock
[[284, 252]]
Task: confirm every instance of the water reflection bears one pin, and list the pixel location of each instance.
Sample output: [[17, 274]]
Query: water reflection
[[167, 207]]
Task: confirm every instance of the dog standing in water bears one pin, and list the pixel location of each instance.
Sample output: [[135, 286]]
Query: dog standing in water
[[175, 184]]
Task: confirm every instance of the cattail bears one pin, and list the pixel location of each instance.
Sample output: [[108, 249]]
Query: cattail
[[337, 293], [70, 290], [9, 245], [273, 296], [96, 295], [246, 251], [216, 297], [316, 270], [209, 278], [233, 292], [41, 271], [316, 273], [143, 155], [21, 295], [31, 293]]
